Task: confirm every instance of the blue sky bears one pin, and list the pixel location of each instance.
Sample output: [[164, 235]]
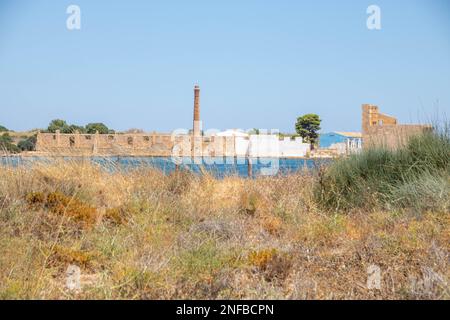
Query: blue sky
[[260, 63]]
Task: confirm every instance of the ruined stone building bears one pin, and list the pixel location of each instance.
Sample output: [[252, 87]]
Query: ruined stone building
[[104, 144], [126, 144], [382, 130], [377, 129], [178, 143]]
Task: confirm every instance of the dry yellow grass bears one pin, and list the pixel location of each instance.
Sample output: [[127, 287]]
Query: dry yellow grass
[[144, 235]]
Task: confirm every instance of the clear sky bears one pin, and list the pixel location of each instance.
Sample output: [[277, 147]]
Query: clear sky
[[259, 63]]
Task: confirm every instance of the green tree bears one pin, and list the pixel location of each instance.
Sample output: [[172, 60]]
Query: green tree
[[307, 127], [60, 125], [3, 129], [92, 128], [28, 144], [74, 128]]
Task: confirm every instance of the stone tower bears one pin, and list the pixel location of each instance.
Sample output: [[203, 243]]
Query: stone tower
[[371, 117], [197, 126], [381, 130]]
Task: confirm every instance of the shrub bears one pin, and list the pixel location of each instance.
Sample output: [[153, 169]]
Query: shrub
[[35, 199], [6, 144], [58, 124], [60, 204], [64, 127], [74, 128], [273, 264], [62, 256], [249, 202], [73, 208], [92, 128], [379, 176], [29, 144], [272, 225], [116, 215]]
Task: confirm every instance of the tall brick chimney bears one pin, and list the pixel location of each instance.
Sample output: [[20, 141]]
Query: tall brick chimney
[[197, 128]]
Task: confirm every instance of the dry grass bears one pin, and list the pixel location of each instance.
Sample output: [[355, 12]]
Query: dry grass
[[144, 235]]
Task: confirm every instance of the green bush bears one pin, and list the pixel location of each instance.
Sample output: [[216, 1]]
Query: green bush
[[64, 127], [6, 144], [28, 144], [94, 127], [60, 125], [382, 177], [74, 128]]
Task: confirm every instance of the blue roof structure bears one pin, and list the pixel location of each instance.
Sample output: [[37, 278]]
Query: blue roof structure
[[326, 140]]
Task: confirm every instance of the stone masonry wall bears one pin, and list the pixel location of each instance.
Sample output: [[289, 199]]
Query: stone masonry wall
[[382, 130], [105, 144], [165, 145]]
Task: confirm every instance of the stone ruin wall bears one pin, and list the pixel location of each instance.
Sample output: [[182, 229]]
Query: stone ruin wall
[[382, 130], [377, 130], [104, 144], [165, 145], [154, 144], [139, 144], [392, 136]]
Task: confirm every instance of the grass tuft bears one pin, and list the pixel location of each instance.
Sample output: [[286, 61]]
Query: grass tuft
[[383, 178]]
